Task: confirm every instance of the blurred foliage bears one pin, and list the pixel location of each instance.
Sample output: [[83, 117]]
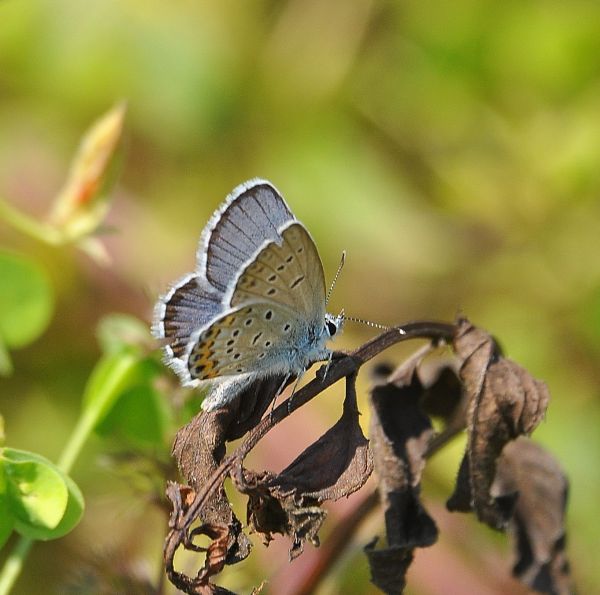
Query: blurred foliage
[[450, 148], [25, 304]]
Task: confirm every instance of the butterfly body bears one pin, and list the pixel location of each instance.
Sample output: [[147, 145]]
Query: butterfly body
[[255, 307]]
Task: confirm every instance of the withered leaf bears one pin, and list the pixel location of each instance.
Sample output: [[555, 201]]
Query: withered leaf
[[253, 403], [389, 566], [181, 498], [505, 401], [461, 499], [538, 522], [293, 514], [442, 395], [216, 552], [198, 448], [400, 435], [336, 465]]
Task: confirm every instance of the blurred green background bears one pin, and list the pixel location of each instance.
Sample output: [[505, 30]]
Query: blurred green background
[[451, 148]]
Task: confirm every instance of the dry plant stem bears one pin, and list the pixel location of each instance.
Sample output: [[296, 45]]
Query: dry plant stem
[[342, 366]]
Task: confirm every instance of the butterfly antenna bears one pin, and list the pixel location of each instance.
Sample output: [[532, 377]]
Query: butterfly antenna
[[340, 267], [367, 322]]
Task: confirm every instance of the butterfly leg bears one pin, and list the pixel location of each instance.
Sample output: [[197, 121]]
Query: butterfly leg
[[329, 357], [328, 364], [289, 406], [281, 388]]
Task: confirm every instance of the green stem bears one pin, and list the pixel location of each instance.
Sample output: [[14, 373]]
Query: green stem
[[111, 387], [14, 564], [84, 426], [30, 226]]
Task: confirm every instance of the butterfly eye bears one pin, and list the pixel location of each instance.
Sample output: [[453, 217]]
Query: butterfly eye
[[331, 327]]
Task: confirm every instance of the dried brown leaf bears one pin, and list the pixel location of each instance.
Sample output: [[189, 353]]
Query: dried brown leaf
[[389, 566], [199, 448], [336, 465], [505, 401], [461, 499], [400, 435], [538, 522], [182, 497], [442, 395], [252, 405]]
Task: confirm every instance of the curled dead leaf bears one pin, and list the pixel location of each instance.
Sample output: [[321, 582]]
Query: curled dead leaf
[[400, 435], [182, 498], [199, 448], [336, 465], [443, 396], [505, 401], [388, 566], [537, 526]]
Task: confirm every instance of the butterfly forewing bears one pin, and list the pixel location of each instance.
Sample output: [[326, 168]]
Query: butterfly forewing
[[251, 215], [290, 274], [249, 339]]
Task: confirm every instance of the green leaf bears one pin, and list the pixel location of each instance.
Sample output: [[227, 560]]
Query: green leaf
[[69, 520], [7, 521], [112, 376], [26, 300], [39, 507], [140, 416], [36, 490]]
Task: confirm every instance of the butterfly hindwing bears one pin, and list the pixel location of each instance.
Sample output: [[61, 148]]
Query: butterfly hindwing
[[189, 304], [251, 338]]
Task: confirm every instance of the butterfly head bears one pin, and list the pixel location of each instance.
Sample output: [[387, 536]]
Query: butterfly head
[[333, 325]]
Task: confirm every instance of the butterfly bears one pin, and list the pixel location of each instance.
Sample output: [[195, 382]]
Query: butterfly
[[255, 307]]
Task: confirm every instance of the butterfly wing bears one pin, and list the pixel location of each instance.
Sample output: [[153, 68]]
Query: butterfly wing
[[189, 304], [249, 218], [256, 304], [290, 274], [277, 316], [250, 339]]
